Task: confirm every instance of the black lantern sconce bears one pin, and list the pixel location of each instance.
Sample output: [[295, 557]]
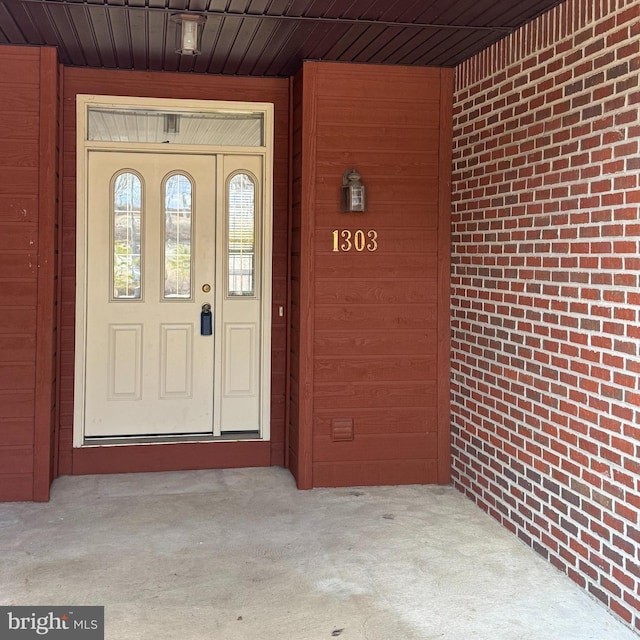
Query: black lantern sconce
[[354, 196]]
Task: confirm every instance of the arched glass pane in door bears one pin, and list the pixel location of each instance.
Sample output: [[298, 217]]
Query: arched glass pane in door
[[127, 220], [178, 225]]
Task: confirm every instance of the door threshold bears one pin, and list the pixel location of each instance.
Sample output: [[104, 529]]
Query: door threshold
[[228, 436]]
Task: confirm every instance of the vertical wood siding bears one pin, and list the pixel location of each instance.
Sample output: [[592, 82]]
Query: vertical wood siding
[[179, 86], [28, 103], [296, 278], [372, 326]]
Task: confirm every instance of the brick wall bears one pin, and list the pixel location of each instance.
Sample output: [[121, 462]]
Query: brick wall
[[545, 291]]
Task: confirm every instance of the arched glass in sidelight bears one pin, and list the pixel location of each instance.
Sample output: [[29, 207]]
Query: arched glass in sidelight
[[127, 220], [178, 237], [241, 235]]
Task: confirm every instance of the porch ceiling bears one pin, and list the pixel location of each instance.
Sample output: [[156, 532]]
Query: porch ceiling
[[264, 37]]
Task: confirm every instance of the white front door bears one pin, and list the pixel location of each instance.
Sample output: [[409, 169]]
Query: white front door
[[173, 302]]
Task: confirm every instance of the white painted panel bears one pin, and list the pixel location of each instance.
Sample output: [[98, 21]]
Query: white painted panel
[[240, 359], [158, 380], [176, 360], [243, 322], [125, 361]]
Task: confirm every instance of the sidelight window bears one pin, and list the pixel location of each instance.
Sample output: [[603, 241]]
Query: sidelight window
[[241, 235]]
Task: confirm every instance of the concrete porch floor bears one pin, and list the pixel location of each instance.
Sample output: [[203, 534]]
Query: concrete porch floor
[[242, 555]]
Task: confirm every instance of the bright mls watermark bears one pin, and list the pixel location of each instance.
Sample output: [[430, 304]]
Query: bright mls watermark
[[71, 623]]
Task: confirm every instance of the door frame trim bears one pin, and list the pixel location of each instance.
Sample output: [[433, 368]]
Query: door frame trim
[[84, 147]]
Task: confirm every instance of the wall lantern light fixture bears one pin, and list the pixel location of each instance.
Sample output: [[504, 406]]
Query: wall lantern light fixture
[[188, 33], [353, 192]]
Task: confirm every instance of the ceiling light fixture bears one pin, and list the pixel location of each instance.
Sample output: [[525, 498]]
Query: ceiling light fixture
[[188, 33]]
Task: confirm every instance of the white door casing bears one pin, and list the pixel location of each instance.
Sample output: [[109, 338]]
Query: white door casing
[[145, 369]]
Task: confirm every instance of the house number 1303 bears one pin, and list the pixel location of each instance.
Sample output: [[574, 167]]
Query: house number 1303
[[346, 240]]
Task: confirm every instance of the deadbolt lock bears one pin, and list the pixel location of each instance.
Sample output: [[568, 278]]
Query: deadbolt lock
[[206, 288]]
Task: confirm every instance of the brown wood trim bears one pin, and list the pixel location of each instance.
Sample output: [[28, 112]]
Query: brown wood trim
[[287, 365], [171, 457], [55, 470], [307, 276], [45, 314], [444, 276], [16, 487]]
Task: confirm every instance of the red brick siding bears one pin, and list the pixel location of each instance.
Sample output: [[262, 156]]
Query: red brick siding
[[545, 302]]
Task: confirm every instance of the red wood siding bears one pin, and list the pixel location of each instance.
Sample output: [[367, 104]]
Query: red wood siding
[[182, 86], [371, 328], [296, 276], [28, 154]]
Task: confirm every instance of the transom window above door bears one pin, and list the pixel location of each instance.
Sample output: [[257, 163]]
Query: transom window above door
[[219, 128]]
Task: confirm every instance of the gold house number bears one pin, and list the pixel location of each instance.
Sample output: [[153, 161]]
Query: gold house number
[[345, 240]]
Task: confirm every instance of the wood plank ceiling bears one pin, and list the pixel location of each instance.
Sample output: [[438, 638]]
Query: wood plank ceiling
[[264, 37]]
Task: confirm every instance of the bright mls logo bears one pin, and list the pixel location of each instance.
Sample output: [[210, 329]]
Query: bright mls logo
[[72, 623]]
